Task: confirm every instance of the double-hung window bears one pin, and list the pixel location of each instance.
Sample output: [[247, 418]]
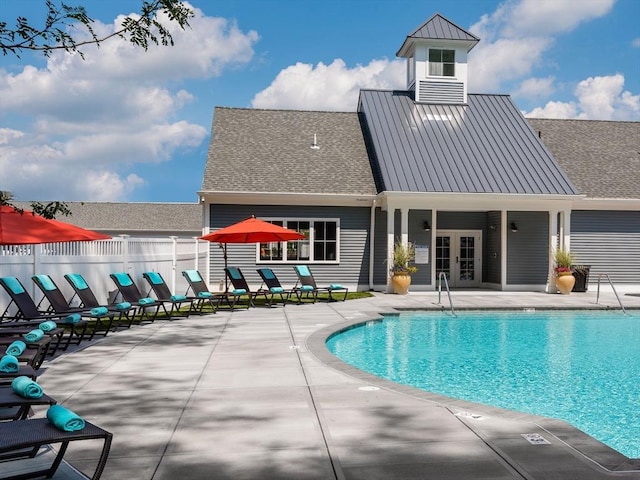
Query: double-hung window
[[319, 245], [442, 63]]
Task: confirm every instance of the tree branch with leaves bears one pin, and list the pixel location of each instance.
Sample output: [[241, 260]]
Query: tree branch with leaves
[[141, 30]]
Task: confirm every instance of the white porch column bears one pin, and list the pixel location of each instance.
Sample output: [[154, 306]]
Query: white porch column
[[434, 234], [553, 244], [565, 229], [404, 226], [503, 250], [390, 241]]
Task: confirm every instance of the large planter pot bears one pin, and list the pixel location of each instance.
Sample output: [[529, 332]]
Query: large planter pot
[[400, 283], [565, 282]]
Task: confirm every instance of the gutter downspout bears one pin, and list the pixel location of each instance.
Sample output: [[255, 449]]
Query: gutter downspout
[[372, 229]]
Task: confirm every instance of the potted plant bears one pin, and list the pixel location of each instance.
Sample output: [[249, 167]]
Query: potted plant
[[401, 270], [565, 280]]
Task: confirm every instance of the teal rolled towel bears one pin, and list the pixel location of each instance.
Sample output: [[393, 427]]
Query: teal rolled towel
[[73, 318], [306, 288], [25, 387], [64, 419], [48, 326], [335, 286], [276, 289], [205, 294], [239, 291], [178, 298], [123, 306], [16, 348], [99, 311], [9, 364], [34, 335], [146, 301]]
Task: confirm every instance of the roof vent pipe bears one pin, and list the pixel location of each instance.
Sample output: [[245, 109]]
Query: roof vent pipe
[[315, 145]]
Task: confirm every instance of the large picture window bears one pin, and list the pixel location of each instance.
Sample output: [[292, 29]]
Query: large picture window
[[320, 242], [442, 63]]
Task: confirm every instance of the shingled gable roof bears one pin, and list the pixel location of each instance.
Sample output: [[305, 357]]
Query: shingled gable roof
[[486, 146], [143, 217], [438, 28], [270, 151], [602, 158]]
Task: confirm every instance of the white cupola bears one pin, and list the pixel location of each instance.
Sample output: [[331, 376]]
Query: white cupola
[[436, 56]]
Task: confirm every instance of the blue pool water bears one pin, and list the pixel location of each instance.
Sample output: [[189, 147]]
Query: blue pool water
[[578, 366]]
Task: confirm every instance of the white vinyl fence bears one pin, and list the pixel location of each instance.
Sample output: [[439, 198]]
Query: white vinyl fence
[[96, 260]]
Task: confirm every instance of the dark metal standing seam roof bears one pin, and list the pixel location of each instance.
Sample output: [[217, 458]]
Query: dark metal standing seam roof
[[439, 28], [486, 146]]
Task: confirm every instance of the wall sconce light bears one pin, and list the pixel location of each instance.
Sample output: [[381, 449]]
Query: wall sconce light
[[514, 227], [426, 226]]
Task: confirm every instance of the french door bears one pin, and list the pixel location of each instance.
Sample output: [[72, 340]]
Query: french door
[[459, 256]]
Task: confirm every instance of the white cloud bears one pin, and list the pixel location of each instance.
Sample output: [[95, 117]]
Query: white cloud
[[516, 36], [94, 120], [536, 87], [332, 87], [598, 98], [635, 43]]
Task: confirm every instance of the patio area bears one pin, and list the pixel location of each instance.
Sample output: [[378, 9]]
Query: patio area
[[253, 394]]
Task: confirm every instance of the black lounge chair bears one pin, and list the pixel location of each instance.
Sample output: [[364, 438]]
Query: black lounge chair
[[18, 407], [130, 293], [241, 287], [28, 314], [104, 320], [34, 354], [88, 299], [164, 295], [308, 285], [202, 294], [274, 287], [23, 439]]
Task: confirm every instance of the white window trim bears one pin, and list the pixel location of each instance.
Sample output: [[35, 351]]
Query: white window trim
[[311, 221], [455, 64]]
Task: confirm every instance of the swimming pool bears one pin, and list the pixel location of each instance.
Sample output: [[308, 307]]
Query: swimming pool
[[578, 366]]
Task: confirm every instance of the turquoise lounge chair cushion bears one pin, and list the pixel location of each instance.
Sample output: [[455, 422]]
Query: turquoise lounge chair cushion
[[34, 335], [178, 298], [78, 281], [155, 278], [306, 288], [193, 275], [48, 326], [9, 364], [16, 348], [146, 301], [123, 306], [303, 270], [25, 387], [99, 311], [276, 289], [336, 286], [239, 291], [14, 285], [234, 273], [205, 294], [123, 279], [64, 419], [46, 282], [73, 318]]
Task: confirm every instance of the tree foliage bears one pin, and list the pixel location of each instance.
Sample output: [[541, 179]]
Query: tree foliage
[[56, 34]]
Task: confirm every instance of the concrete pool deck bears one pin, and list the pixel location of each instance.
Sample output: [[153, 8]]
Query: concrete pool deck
[[255, 395]]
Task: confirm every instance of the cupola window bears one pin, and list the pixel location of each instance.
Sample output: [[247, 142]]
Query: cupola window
[[442, 63]]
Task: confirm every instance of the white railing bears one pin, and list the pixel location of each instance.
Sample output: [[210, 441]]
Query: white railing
[[96, 260]]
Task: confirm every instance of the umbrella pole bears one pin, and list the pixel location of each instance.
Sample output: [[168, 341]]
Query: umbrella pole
[[226, 280]]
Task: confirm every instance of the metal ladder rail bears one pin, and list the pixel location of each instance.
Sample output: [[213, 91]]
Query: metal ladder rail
[[614, 291], [441, 276]]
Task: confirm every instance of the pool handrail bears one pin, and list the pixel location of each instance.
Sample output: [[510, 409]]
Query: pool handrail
[[441, 276], [612, 287]]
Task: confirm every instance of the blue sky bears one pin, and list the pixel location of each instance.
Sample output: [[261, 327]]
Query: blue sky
[[129, 125]]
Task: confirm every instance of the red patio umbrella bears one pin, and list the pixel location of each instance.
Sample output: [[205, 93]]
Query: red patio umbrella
[[251, 230], [25, 228]]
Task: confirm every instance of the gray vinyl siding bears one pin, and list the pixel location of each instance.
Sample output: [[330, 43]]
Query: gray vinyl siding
[[353, 268], [609, 241], [528, 248]]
